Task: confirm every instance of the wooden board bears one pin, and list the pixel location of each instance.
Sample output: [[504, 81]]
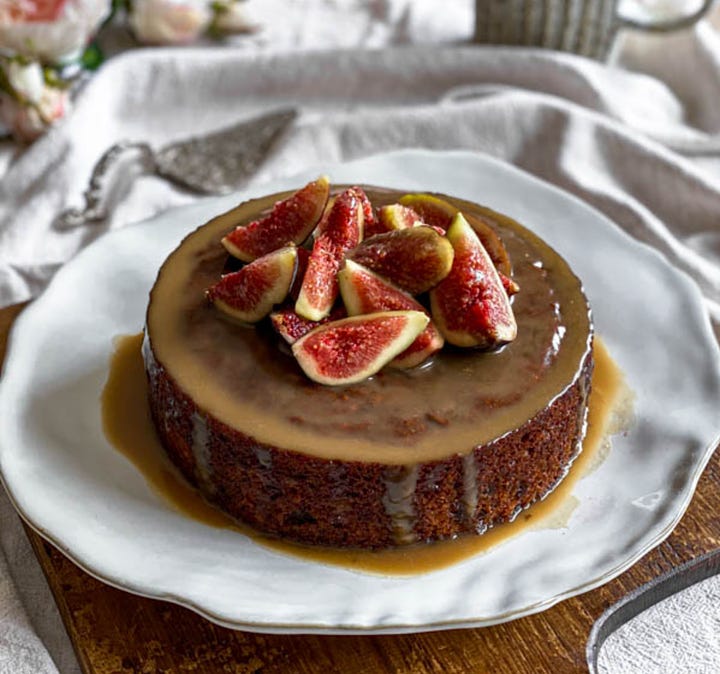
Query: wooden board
[[114, 632]]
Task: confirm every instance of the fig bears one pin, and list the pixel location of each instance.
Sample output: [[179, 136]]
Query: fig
[[290, 221], [437, 212], [365, 292], [430, 209], [355, 348], [250, 293], [415, 259], [370, 222], [396, 216], [492, 243], [470, 305], [291, 327], [339, 230], [303, 256]]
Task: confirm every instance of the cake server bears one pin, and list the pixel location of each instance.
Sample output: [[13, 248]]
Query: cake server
[[215, 163]]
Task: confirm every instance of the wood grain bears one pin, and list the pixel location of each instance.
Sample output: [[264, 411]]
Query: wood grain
[[114, 632]]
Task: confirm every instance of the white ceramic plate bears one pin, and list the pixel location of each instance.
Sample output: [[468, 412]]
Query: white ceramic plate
[[81, 494]]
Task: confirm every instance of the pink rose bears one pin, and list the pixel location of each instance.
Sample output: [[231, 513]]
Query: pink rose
[[32, 105], [51, 31], [169, 21]]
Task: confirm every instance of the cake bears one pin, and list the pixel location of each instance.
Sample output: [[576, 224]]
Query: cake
[[454, 445]]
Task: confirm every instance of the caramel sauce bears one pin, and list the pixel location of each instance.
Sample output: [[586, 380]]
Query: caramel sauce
[[129, 428], [246, 378]]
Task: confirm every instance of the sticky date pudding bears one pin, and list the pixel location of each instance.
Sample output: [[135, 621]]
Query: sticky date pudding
[[323, 428]]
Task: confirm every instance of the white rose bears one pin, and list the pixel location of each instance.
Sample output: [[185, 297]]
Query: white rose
[[50, 30], [169, 21]]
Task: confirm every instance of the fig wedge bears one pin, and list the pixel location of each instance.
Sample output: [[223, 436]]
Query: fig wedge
[[414, 259], [365, 292], [250, 293], [290, 221], [370, 221], [396, 216], [303, 257], [355, 348], [437, 212], [470, 305], [339, 230], [291, 327], [430, 209]]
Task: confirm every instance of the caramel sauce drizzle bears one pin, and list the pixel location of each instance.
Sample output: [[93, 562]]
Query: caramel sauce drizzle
[[129, 428]]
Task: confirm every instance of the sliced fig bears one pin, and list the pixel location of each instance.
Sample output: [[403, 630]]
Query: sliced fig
[[437, 212], [396, 216], [470, 305], [303, 257], [355, 348], [430, 209], [290, 221], [415, 259], [250, 293], [365, 292], [291, 327], [369, 219], [339, 230]]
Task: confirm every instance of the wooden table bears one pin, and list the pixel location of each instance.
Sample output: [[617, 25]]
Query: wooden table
[[115, 632]]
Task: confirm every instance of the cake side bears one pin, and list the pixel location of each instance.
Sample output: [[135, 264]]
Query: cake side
[[368, 505]]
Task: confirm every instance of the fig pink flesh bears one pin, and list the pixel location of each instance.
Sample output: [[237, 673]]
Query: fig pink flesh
[[470, 306], [339, 230], [290, 221], [365, 292], [250, 293], [352, 349]]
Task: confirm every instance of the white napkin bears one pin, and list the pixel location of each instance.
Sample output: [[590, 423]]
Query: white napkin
[[641, 148], [679, 635]]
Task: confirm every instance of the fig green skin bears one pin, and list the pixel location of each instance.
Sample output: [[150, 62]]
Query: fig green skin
[[470, 305], [339, 230], [437, 212], [290, 221], [414, 259], [355, 348]]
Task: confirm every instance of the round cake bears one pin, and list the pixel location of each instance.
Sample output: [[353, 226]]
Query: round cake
[[458, 444]]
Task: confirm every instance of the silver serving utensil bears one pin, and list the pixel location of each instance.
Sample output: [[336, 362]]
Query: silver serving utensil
[[213, 164]]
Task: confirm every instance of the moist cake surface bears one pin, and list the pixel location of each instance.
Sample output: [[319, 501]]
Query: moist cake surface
[[453, 446]]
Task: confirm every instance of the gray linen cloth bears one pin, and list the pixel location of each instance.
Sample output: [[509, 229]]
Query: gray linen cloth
[[641, 146]]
